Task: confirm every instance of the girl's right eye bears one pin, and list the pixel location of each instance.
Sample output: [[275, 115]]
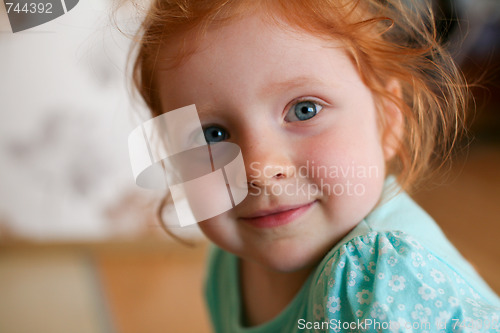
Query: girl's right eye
[[215, 134]]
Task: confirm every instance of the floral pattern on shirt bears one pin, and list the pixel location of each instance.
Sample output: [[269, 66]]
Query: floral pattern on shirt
[[389, 282]]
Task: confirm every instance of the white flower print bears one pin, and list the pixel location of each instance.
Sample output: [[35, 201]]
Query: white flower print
[[318, 312], [397, 283], [437, 276], [330, 262], [331, 282], [418, 260], [420, 276], [442, 319], [477, 312], [365, 239], [364, 296], [350, 248], [356, 261], [430, 257], [401, 307], [379, 311], [438, 304], [390, 299], [371, 267], [414, 243], [359, 313], [453, 301], [472, 302], [333, 304], [372, 250], [395, 241], [341, 264], [421, 313], [366, 278], [392, 261], [402, 326], [397, 234], [426, 292], [351, 279], [385, 249], [359, 244], [441, 291], [381, 276], [402, 250], [320, 280]]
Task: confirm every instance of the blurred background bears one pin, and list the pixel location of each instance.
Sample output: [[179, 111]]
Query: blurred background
[[81, 249]]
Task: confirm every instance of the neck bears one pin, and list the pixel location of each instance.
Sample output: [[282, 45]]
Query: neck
[[265, 292]]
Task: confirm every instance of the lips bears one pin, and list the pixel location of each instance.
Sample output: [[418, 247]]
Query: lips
[[277, 217]]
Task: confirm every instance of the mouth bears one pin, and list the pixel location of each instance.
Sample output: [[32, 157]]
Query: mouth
[[277, 217]]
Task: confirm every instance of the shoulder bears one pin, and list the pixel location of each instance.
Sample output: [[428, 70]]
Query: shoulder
[[220, 288], [220, 273], [391, 278]]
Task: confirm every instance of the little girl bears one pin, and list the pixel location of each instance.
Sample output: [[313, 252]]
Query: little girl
[[338, 107]]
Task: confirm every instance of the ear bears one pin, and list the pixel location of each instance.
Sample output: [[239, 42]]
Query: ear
[[393, 120]]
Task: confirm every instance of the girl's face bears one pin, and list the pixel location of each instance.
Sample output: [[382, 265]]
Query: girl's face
[[307, 128]]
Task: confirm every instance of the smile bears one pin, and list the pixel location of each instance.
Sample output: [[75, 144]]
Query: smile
[[277, 217]]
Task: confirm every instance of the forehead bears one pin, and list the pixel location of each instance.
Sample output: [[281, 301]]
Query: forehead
[[251, 54]]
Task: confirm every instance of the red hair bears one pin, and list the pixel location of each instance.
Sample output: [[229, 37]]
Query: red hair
[[386, 40]]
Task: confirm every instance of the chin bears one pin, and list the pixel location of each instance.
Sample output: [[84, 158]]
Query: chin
[[289, 259]]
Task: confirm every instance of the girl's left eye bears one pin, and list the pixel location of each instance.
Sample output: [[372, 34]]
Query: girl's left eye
[[303, 111]]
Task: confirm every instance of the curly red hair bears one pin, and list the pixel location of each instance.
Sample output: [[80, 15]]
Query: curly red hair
[[386, 40]]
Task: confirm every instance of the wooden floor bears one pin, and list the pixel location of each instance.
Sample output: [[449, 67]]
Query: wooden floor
[[155, 290], [154, 286], [139, 287]]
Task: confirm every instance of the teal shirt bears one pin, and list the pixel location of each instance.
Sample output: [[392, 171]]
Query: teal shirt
[[394, 272]]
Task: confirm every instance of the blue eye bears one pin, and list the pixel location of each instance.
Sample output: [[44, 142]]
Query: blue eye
[[215, 134], [303, 111]]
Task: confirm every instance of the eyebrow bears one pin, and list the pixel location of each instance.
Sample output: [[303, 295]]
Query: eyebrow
[[292, 83]]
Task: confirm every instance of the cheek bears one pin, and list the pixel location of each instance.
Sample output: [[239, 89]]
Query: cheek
[[356, 167], [349, 166], [350, 152], [221, 231]]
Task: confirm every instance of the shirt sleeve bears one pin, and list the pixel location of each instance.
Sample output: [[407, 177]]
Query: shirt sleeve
[[388, 282]]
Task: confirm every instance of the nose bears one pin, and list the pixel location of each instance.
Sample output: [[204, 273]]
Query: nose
[[268, 157]]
